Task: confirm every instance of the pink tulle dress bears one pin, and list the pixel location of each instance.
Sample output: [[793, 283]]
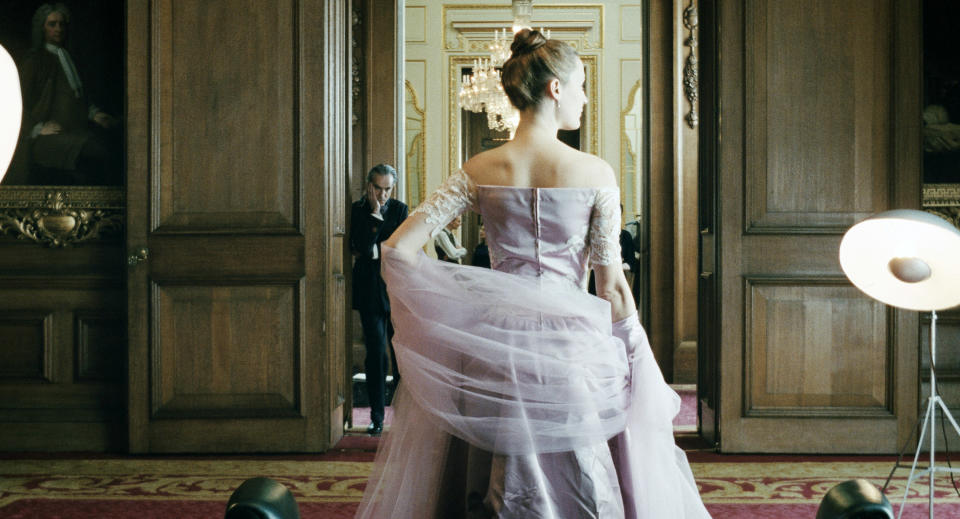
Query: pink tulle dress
[[517, 400]]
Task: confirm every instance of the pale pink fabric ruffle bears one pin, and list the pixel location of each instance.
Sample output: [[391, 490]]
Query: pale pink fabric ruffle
[[517, 365]]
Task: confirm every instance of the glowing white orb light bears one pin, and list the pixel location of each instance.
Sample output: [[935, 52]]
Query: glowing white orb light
[[11, 109]]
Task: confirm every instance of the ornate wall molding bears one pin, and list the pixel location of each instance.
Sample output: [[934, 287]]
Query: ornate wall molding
[[61, 216], [467, 28], [691, 71], [415, 155]]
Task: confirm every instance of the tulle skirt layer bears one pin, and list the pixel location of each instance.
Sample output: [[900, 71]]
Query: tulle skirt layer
[[518, 366]]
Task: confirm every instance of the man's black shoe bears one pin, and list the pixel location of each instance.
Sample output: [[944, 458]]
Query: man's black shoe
[[375, 429]]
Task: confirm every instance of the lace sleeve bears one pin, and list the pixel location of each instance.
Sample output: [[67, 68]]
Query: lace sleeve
[[605, 227], [457, 194]]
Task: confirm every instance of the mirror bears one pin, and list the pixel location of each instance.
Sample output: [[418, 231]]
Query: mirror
[[631, 147], [64, 183], [631, 172]]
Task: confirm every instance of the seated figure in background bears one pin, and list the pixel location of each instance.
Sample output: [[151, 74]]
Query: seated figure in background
[[446, 244], [65, 139]]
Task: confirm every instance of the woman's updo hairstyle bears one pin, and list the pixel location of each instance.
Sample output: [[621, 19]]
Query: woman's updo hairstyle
[[534, 61]]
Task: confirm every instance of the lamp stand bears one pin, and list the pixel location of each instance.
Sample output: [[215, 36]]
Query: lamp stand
[[930, 419]]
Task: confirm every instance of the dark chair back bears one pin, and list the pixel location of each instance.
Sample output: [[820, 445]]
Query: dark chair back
[[855, 499], [262, 498]]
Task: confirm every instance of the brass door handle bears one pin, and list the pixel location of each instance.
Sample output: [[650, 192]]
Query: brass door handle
[[138, 257]]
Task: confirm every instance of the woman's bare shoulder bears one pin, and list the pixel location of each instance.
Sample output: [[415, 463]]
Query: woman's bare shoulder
[[482, 166], [589, 170], [561, 167]]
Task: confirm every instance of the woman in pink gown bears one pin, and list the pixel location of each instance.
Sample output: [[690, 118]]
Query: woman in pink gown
[[523, 396]]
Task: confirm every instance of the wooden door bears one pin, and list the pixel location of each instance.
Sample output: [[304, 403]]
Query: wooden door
[[818, 104], [236, 206]]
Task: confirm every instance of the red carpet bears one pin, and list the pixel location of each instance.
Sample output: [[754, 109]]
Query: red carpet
[[760, 511], [686, 419], [330, 485], [103, 509], [113, 509]]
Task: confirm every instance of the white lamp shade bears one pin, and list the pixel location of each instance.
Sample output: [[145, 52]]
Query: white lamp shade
[[904, 258], [12, 109]]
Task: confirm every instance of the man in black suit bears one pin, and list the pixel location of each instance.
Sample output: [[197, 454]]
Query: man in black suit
[[373, 219]]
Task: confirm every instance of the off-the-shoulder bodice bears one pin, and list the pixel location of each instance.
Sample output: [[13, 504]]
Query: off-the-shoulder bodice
[[553, 232]]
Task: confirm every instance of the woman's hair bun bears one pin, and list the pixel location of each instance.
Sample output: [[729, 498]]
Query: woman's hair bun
[[527, 40], [533, 62]]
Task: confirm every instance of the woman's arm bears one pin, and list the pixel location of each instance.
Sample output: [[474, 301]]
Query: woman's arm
[[605, 256], [454, 196], [412, 234], [612, 285]]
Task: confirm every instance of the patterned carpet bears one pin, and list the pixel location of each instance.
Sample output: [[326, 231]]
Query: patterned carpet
[[330, 485]]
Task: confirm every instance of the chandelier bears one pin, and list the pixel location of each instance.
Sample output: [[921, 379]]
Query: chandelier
[[482, 89]]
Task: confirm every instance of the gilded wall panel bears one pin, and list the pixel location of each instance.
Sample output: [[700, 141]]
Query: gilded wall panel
[[415, 132]]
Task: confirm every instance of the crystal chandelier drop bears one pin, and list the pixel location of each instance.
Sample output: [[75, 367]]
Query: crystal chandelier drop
[[482, 90]]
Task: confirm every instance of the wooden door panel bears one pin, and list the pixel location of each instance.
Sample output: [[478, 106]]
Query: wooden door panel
[[815, 348], [53, 348], [226, 256], [227, 351], [818, 122], [101, 344], [795, 252], [817, 113], [25, 346], [227, 103], [230, 194], [62, 350]]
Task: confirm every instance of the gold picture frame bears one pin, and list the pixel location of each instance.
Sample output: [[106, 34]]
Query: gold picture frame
[[943, 200], [61, 216], [34, 203]]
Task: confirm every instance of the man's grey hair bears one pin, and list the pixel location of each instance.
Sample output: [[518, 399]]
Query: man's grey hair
[[382, 169], [40, 17]]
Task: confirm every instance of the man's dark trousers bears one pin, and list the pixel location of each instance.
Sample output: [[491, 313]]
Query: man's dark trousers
[[377, 333]]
